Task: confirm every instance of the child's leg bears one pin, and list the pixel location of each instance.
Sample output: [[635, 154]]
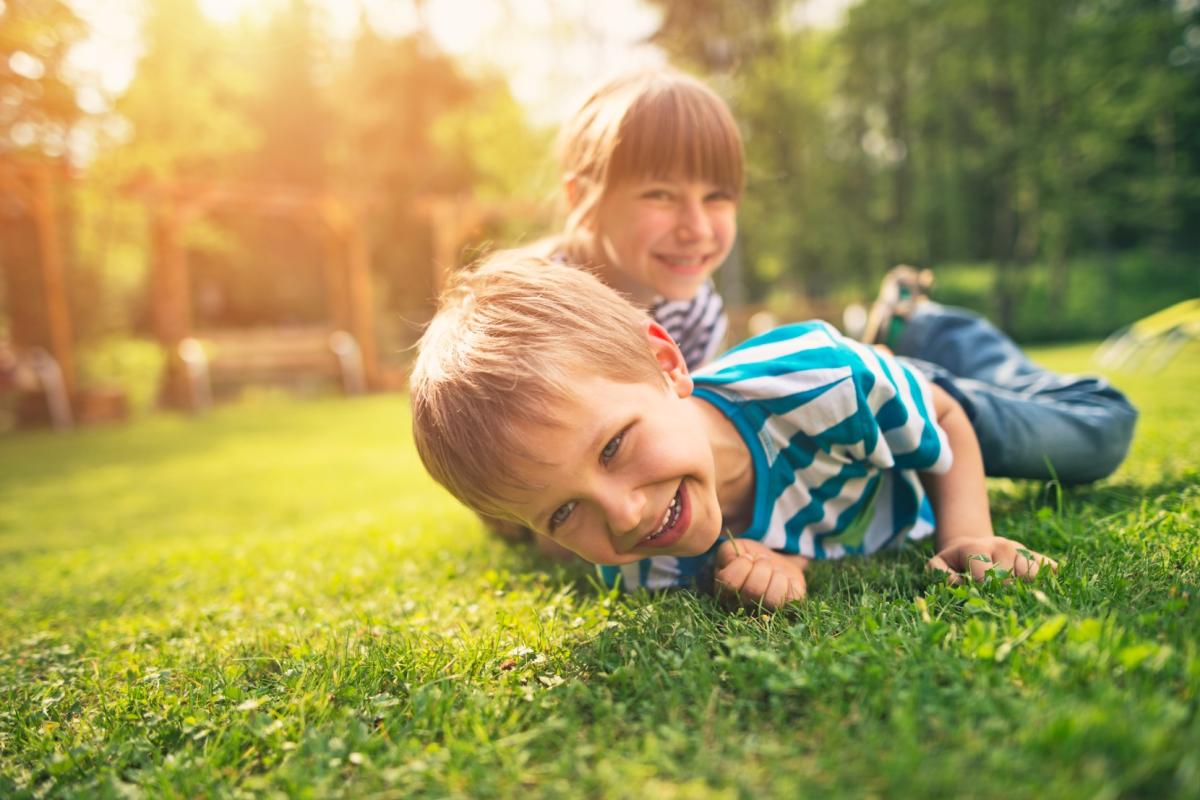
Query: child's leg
[[966, 345], [1031, 423]]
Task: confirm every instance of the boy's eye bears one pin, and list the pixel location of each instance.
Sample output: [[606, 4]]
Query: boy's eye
[[719, 196], [561, 515], [610, 450], [656, 194]]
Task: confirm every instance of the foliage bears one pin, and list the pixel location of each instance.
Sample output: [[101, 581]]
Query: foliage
[[185, 104], [37, 102], [1105, 293], [275, 600]]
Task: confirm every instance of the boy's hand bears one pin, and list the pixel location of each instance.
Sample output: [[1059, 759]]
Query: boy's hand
[[759, 576], [975, 556]]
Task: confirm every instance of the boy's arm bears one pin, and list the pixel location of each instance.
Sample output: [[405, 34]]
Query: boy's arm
[[959, 495], [960, 506]]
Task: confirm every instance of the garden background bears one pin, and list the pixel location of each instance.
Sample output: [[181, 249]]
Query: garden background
[[272, 597]]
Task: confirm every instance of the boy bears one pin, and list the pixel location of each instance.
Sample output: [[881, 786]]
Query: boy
[[543, 397]]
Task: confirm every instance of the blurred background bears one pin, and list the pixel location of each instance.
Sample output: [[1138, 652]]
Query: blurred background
[[251, 175]]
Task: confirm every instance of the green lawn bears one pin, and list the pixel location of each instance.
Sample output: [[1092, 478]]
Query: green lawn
[[274, 599]]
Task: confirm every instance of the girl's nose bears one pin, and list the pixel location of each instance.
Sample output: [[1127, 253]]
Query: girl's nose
[[693, 218]]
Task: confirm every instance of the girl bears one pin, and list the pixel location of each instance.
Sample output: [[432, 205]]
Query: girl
[[652, 175]]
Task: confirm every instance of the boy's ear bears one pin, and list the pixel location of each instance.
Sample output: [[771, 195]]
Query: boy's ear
[[669, 358]]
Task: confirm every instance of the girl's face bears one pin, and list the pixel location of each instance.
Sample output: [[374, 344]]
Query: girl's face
[[664, 236]]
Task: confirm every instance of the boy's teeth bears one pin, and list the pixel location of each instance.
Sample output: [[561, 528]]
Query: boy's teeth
[[670, 516]]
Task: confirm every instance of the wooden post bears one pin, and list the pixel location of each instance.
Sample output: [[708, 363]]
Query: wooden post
[[454, 220], [362, 298], [58, 317], [333, 265], [171, 308], [447, 240]]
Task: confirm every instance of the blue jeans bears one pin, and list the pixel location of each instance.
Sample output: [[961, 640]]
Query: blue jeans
[[1031, 423]]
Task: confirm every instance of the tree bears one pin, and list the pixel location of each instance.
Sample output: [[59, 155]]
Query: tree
[[37, 105], [186, 104]]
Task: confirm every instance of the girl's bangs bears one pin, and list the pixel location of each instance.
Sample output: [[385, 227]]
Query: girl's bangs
[[679, 134]]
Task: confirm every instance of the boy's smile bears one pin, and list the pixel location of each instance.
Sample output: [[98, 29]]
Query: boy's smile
[[634, 469], [665, 235]]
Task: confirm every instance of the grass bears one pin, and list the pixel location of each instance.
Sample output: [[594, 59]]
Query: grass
[[275, 600]]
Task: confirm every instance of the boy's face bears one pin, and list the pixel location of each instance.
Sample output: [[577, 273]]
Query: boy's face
[[666, 235], [629, 472]]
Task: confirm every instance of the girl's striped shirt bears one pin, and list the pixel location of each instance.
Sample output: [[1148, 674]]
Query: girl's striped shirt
[[698, 325]]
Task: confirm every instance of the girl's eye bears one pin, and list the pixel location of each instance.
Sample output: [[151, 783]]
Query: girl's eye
[[656, 194], [610, 450], [561, 515], [719, 196]]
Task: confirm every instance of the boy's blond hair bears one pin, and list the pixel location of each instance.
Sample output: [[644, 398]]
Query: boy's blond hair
[[509, 339], [657, 123]]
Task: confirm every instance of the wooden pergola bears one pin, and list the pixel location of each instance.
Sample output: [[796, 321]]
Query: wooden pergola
[[31, 184], [174, 204], [347, 269]]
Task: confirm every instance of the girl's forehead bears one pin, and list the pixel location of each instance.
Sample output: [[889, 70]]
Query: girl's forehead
[[676, 176]]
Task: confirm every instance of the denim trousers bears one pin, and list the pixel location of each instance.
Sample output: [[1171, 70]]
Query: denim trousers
[[1031, 422]]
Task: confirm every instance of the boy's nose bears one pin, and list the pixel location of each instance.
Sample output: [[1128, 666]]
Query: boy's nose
[[623, 512]]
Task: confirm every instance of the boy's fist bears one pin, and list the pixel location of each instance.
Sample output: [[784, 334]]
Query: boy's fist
[[759, 576], [974, 557]]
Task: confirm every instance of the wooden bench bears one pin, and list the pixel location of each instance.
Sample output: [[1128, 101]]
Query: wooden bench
[[217, 362], [34, 376]]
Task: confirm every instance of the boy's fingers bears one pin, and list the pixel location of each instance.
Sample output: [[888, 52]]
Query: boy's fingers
[[726, 555], [1024, 568], [938, 564], [778, 591], [979, 564], [1027, 566], [733, 575], [758, 582]]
